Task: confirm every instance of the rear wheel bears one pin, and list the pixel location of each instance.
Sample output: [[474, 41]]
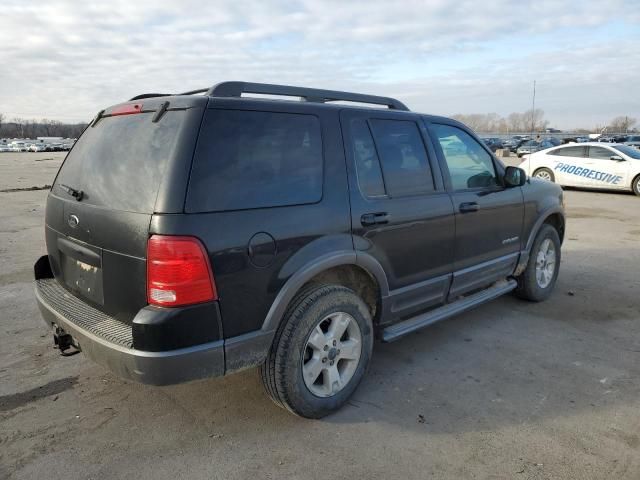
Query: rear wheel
[[539, 278], [320, 352], [544, 174], [635, 185]]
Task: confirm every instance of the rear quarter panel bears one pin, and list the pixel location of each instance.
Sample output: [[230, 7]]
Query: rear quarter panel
[[302, 233]]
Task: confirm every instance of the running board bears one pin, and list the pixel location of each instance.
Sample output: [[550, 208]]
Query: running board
[[399, 330]]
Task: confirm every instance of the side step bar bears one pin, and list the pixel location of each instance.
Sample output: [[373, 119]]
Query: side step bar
[[399, 330]]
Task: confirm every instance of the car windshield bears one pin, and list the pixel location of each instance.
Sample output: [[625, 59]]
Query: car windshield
[[628, 151]]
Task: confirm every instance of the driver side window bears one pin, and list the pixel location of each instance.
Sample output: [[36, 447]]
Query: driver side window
[[470, 166]]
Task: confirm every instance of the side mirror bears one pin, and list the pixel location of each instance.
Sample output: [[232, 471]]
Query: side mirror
[[617, 158], [514, 177]]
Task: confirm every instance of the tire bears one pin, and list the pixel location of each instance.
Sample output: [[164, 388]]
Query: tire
[[537, 281], [544, 174], [298, 349], [635, 185]]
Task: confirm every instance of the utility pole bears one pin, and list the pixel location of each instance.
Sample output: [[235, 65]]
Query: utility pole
[[533, 109]]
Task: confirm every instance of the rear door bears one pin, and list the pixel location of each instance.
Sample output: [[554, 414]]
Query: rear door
[[565, 161], [400, 212], [488, 216], [101, 203]]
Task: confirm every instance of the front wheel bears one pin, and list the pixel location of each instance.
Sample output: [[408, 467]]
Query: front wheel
[[537, 281], [544, 174], [320, 352]]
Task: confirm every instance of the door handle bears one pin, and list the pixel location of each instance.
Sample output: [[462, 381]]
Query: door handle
[[468, 207], [379, 218]]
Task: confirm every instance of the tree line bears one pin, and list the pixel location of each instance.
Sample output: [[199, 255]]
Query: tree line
[[535, 122], [529, 121], [23, 128]]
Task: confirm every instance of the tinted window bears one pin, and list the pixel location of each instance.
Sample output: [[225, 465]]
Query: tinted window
[[569, 152], [120, 161], [250, 159], [599, 152], [405, 165], [470, 166], [366, 159]]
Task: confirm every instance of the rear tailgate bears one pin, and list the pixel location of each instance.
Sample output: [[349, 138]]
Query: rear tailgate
[[101, 203]]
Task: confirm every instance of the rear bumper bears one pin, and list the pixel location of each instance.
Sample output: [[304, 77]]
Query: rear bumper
[[107, 342]]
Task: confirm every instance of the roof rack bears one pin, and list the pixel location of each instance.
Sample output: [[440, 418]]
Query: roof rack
[[236, 89]]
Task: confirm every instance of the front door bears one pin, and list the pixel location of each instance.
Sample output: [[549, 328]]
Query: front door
[[488, 216], [602, 172], [400, 212]]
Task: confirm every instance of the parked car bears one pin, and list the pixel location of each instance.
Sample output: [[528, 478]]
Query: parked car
[[530, 146], [632, 141], [4, 148], [197, 235], [493, 143], [514, 144], [552, 141], [18, 146], [37, 147], [590, 165]]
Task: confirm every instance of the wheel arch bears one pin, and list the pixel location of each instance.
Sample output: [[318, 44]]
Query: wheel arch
[[345, 268], [553, 216]]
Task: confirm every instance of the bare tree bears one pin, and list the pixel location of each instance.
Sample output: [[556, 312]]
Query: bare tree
[[622, 124]]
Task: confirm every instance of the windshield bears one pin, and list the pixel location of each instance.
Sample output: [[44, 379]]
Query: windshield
[[628, 151], [120, 161]]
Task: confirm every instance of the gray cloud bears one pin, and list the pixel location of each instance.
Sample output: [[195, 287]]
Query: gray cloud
[[68, 59]]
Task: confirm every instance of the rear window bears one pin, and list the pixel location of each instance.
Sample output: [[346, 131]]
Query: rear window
[[246, 159], [120, 161]]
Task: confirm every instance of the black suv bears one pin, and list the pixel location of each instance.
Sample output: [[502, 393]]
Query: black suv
[[197, 235]]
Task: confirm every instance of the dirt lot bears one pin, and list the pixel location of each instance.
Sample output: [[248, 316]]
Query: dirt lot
[[510, 390]]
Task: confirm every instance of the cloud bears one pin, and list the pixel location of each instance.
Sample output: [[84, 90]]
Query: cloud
[[68, 59]]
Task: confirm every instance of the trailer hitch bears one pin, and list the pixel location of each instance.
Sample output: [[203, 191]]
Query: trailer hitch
[[63, 341]]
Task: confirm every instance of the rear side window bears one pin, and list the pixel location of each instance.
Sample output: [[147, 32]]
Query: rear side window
[[405, 166], [247, 159], [119, 163]]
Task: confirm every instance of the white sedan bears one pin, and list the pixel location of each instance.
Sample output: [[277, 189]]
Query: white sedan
[[589, 165]]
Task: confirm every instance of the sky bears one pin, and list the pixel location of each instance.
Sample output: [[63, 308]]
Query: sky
[[66, 60]]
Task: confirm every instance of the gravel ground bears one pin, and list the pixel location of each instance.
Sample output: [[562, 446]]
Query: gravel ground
[[511, 390]]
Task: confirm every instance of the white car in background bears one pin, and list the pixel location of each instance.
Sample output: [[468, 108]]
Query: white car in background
[[37, 147], [589, 165]]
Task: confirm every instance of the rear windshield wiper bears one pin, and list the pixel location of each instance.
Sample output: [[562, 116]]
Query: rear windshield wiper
[[77, 194]]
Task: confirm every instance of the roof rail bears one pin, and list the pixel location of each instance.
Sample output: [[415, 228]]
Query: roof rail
[[236, 89]]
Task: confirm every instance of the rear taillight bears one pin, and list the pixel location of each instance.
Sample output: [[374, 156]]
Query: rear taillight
[[178, 272]]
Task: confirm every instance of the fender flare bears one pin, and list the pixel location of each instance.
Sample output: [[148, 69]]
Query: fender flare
[[538, 225], [526, 251], [313, 268]]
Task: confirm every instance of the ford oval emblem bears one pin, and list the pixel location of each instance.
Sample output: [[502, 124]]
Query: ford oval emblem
[[73, 221]]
